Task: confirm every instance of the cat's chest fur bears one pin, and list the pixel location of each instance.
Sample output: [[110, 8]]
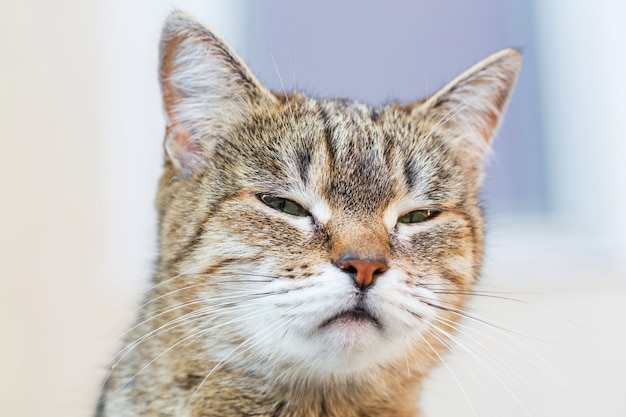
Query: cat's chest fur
[[315, 255]]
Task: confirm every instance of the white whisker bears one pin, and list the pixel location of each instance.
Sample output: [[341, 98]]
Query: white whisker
[[486, 366], [247, 341], [178, 343], [541, 366], [453, 374], [475, 379]]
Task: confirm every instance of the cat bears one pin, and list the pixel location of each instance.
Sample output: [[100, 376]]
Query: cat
[[315, 254]]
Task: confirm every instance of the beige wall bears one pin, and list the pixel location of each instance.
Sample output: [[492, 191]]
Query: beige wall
[[80, 142], [52, 222]]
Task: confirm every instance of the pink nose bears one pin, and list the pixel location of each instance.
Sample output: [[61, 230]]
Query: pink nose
[[363, 271]]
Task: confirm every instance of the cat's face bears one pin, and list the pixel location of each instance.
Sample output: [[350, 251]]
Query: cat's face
[[310, 238]]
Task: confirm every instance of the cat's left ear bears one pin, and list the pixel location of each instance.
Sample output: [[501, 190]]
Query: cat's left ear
[[470, 107]]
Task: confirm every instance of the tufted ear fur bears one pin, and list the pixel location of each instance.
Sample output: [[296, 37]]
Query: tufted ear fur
[[206, 90], [471, 106]]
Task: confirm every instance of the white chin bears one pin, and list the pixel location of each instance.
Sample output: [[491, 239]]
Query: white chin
[[346, 347], [352, 335]]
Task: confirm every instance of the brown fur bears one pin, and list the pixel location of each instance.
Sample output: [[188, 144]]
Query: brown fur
[[240, 321]]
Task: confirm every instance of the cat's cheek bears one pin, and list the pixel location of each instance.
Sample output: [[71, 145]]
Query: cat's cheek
[[460, 268]]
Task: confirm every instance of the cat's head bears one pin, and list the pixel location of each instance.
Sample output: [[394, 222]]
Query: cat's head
[[319, 237]]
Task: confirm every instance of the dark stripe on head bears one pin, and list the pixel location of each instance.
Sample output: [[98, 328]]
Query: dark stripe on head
[[375, 114], [409, 173], [328, 137], [304, 160]]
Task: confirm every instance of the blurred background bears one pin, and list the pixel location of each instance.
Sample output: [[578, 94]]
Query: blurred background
[[81, 131]]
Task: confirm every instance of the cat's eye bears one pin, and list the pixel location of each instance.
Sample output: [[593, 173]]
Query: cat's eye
[[417, 216], [284, 205]]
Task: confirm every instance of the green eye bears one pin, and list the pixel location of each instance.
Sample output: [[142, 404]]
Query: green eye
[[284, 205], [417, 216]]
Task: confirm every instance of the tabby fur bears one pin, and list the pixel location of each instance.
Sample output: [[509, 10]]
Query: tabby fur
[[251, 313]]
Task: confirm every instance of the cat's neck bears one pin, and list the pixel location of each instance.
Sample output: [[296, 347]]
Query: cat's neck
[[232, 392]]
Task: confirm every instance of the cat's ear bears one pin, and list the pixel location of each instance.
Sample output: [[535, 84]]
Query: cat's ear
[[471, 106], [206, 90]]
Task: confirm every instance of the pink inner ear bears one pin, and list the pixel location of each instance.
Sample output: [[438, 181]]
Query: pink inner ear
[[167, 65], [491, 117], [179, 146], [488, 127]]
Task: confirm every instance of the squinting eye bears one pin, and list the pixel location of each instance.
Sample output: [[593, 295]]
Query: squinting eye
[[284, 205], [417, 216]]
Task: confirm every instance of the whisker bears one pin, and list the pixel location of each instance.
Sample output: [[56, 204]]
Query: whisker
[[474, 376], [487, 367], [543, 365], [280, 78], [433, 303], [454, 376], [479, 294], [178, 322], [169, 309], [212, 274], [169, 293], [183, 340], [284, 323], [220, 313]]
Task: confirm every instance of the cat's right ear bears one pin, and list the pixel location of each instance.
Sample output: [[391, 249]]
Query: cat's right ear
[[206, 90]]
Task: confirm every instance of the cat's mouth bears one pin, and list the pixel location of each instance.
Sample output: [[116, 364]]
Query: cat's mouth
[[358, 315]]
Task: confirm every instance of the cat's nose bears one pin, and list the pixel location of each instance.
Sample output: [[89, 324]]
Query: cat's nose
[[363, 271]]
